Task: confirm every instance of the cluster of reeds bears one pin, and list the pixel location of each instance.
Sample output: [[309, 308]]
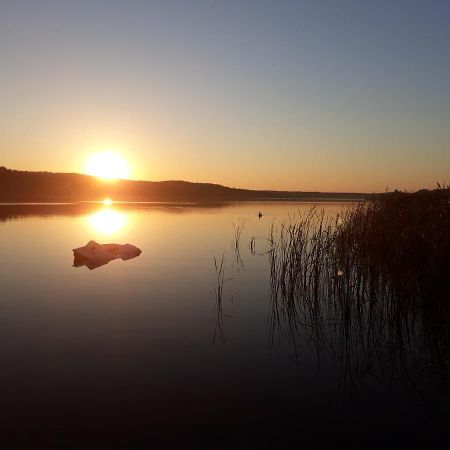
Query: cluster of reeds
[[371, 288]]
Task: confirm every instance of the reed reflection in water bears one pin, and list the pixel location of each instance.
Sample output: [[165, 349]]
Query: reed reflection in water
[[372, 310]]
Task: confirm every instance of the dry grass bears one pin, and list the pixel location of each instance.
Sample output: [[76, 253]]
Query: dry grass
[[370, 288]]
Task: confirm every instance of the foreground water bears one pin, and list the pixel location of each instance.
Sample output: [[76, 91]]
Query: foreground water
[[130, 352]]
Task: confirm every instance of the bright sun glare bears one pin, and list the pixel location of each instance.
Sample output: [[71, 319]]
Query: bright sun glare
[[107, 221], [107, 165]]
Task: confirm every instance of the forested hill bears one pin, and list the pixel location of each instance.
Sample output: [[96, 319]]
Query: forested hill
[[23, 186]]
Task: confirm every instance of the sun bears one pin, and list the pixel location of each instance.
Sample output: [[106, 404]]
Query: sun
[[107, 165]]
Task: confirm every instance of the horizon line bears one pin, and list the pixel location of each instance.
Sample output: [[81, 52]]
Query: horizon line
[[104, 180]]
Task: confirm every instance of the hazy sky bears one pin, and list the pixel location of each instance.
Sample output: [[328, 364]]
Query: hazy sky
[[310, 95]]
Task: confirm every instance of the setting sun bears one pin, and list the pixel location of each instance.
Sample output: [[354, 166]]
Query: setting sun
[[107, 165]]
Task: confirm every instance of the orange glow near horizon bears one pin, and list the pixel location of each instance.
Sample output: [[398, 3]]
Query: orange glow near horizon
[[107, 165]]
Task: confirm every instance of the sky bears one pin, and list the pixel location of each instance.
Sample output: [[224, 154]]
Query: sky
[[297, 95]]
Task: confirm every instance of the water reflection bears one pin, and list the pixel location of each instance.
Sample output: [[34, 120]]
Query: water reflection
[[107, 221], [132, 340], [372, 324]]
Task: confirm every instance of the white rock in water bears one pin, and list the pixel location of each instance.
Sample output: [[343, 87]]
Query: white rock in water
[[128, 251], [94, 252], [94, 255]]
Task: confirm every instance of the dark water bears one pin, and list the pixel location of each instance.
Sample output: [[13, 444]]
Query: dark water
[[125, 354]]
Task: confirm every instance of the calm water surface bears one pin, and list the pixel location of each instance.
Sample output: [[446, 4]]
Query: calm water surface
[[125, 353]]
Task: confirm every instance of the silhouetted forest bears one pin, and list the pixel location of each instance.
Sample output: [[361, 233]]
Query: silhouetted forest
[[24, 186]]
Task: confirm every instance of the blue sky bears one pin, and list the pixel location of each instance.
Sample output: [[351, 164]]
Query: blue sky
[[314, 95]]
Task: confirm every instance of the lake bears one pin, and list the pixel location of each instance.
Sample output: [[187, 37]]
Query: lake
[[137, 353]]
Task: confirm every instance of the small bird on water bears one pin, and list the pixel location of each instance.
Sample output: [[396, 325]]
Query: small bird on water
[[259, 215]]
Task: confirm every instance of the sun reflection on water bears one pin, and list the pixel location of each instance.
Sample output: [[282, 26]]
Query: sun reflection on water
[[107, 221]]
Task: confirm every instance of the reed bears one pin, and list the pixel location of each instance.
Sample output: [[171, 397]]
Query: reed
[[251, 245], [370, 288], [219, 267], [238, 229], [236, 244]]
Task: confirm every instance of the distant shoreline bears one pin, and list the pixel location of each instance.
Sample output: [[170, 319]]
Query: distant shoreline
[[23, 187], [256, 200]]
